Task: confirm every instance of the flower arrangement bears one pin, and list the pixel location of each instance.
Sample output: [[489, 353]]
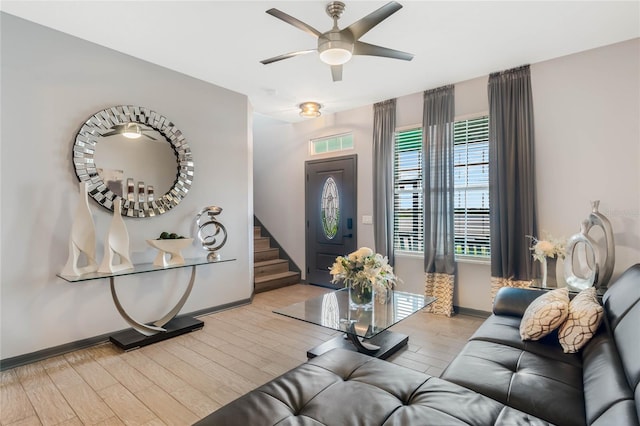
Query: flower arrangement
[[363, 271], [549, 247]]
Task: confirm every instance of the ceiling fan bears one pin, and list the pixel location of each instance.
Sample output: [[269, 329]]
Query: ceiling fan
[[336, 46]]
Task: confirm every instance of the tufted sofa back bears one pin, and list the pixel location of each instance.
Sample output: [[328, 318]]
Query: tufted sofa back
[[611, 360]]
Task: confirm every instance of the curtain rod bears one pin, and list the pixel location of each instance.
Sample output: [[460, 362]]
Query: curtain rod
[[509, 71], [439, 89]]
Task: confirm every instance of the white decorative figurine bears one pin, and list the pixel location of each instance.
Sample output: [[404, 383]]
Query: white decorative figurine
[[172, 249], [116, 243], [82, 240]]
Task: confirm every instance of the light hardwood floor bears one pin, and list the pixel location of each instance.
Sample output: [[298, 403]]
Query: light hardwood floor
[[181, 380]]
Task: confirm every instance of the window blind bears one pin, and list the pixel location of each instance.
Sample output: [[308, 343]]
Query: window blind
[[471, 180], [407, 203], [471, 197]]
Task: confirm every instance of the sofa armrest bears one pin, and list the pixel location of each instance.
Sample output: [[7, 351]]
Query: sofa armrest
[[514, 301]]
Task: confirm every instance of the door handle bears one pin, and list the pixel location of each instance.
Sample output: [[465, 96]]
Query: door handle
[[348, 236]]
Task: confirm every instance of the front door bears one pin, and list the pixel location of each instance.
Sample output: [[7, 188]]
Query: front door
[[330, 200]]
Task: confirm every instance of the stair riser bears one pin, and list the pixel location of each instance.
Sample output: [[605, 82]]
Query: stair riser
[[277, 283], [274, 272], [270, 269], [259, 243], [266, 255]]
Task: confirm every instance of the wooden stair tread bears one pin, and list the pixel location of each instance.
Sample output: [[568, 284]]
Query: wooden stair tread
[[263, 249], [270, 271], [269, 262], [272, 277]]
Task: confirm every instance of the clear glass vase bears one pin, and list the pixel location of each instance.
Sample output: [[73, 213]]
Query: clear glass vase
[[361, 296]]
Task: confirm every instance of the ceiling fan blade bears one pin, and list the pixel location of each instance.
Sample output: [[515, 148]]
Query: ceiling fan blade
[[295, 22], [361, 48], [150, 137], [286, 56], [361, 27], [336, 72], [111, 133]]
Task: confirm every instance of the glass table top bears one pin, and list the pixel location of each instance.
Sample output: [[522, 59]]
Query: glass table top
[[141, 268], [333, 310]]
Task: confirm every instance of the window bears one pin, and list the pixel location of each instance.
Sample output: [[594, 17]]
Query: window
[[331, 144], [408, 229], [471, 180], [471, 197]]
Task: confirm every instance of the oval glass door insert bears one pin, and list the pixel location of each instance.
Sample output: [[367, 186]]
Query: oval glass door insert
[[330, 208]]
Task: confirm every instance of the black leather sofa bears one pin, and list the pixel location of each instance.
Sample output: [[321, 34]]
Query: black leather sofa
[[497, 379]]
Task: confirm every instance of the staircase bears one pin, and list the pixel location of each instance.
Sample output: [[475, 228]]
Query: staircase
[[269, 270]]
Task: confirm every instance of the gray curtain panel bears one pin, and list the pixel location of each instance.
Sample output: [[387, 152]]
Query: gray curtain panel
[[384, 128], [437, 138], [512, 188]]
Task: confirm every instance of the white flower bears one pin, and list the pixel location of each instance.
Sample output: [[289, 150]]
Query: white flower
[[360, 254], [338, 269], [548, 247], [364, 268]]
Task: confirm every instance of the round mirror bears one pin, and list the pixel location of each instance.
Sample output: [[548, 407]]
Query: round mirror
[[136, 154]]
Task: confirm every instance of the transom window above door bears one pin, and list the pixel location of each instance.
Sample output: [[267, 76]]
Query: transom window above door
[[335, 143]]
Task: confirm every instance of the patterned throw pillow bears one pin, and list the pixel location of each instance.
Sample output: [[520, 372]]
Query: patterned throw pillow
[[545, 314], [585, 315]]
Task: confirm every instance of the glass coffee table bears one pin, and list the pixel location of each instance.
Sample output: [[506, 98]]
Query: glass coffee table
[[365, 329]]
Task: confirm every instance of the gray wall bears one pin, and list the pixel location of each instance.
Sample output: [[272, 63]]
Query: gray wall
[[51, 83], [587, 124]]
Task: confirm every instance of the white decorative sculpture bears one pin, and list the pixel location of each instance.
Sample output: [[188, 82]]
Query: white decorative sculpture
[[116, 243], [82, 240], [172, 249]]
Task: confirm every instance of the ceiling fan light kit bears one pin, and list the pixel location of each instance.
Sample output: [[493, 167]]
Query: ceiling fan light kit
[[335, 56], [132, 131], [336, 46], [335, 49], [310, 109]]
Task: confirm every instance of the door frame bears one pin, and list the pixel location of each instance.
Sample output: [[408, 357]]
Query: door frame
[[307, 229]]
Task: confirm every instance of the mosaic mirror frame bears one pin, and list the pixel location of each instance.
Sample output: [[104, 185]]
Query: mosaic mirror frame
[[102, 122]]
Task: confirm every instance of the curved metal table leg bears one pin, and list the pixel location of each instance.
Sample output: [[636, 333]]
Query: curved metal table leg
[[173, 312], [362, 347], [157, 327]]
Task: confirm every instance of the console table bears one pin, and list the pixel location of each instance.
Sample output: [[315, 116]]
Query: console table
[[536, 284], [365, 330], [169, 325]]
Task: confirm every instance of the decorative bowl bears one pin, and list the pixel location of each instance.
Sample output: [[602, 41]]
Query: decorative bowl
[[171, 247]]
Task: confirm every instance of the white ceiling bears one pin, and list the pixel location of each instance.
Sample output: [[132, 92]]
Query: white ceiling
[[222, 42]]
